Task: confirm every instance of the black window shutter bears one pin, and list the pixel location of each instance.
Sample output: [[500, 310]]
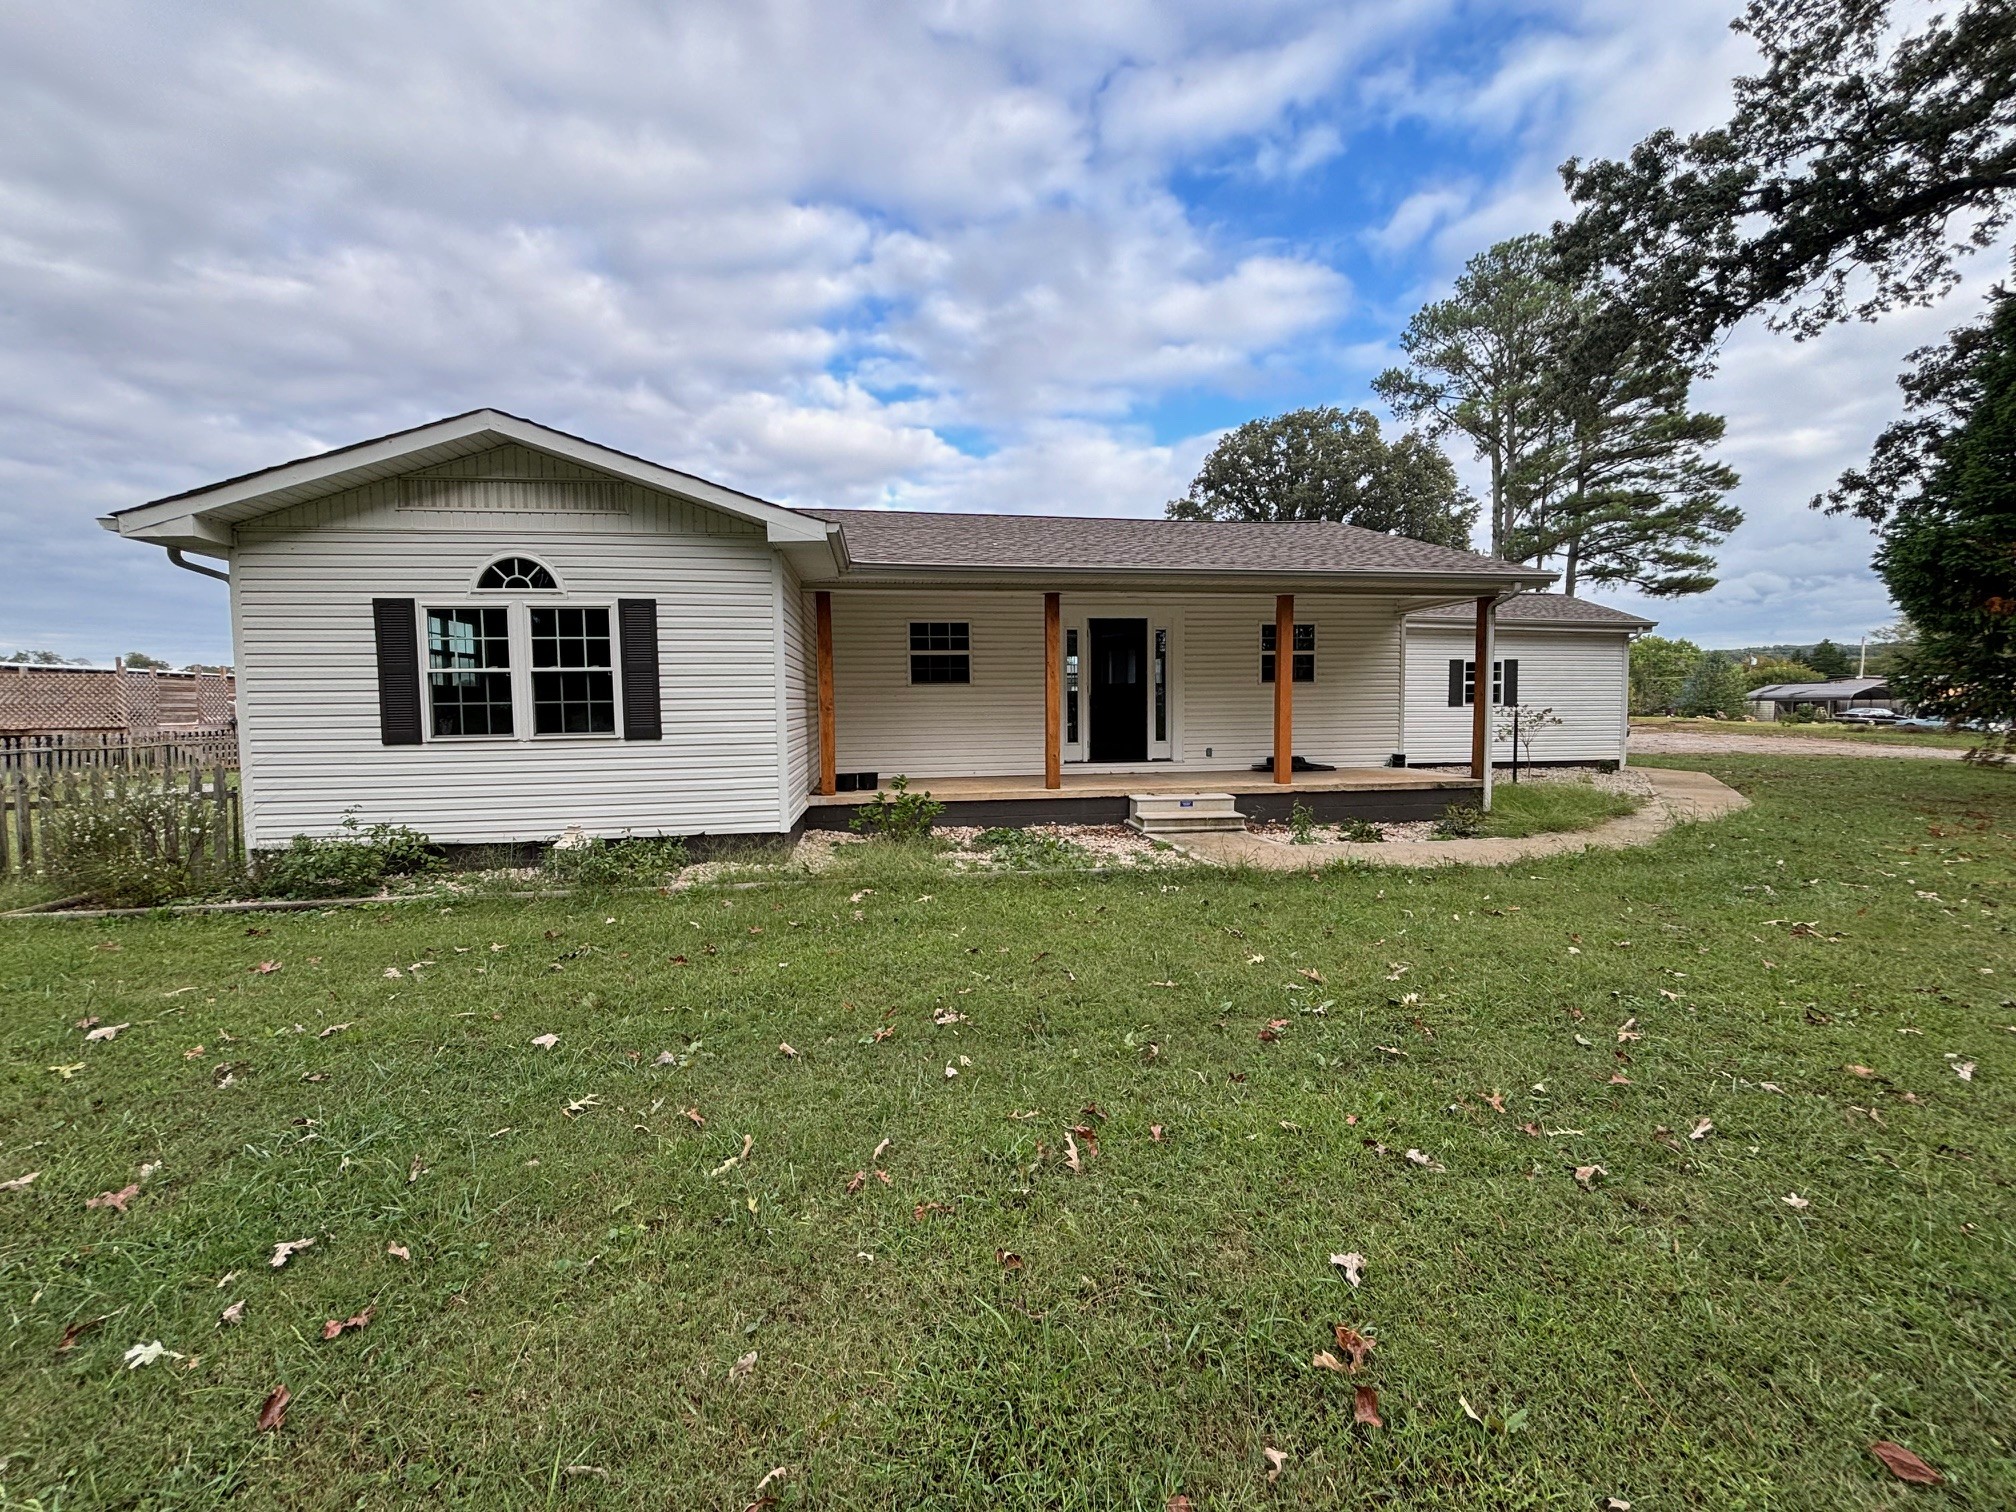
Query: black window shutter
[[395, 624], [637, 629], [1511, 682], [1456, 665]]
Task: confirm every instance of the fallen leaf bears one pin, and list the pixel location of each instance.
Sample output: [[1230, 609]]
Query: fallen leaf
[[334, 1029], [1586, 1175], [147, 1354], [885, 1178], [1312, 974], [68, 1072], [1469, 1411], [1905, 1465], [107, 1031], [1862, 1071], [282, 1253], [1352, 1264], [1356, 1346], [742, 1367], [117, 1199], [1276, 1463], [1794, 1200], [692, 1116], [335, 1326], [273, 1411], [194, 1052], [1365, 1408], [1703, 1127], [1155, 1133], [1178, 1503], [235, 1313], [1009, 1259], [924, 1210], [1072, 1160], [19, 1183], [89, 1023], [1497, 1102], [748, 1142], [399, 1250], [775, 1475], [266, 968], [872, 1159], [69, 1340], [857, 1181], [546, 1041], [1415, 1157], [1964, 1070], [786, 1051], [1324, 1360], [416, 1170]]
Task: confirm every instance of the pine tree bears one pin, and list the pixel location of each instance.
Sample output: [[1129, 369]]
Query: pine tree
[[1830, 660], [1715, 686]]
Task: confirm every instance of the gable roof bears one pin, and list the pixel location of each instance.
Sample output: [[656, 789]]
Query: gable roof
[[888, 538], [201, 518], [1542, 610], [1840, 687]]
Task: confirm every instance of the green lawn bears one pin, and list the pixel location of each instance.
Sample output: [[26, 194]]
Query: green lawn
[[1833, 730], [1519, 809], [588, 1264]]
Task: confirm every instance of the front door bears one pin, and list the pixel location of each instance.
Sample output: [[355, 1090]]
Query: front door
[[1117, 689]]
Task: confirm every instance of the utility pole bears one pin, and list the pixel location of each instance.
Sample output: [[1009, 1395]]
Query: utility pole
[[1862, 661]]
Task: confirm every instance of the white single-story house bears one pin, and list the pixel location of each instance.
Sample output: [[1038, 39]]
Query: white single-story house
[[1774, 699], [1566, 656], [495, 631]]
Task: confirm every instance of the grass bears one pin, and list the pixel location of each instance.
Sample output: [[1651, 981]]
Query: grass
[[1519, 809], [1830, 731], [580, 1287]]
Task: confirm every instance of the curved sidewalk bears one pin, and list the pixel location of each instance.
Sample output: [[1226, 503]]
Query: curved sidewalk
[[1678, 796]]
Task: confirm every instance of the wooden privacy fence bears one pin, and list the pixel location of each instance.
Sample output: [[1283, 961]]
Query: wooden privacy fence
[[29, 805], [166, 751]]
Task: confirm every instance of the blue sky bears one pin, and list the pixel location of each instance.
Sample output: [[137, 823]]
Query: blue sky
[[952, 255]]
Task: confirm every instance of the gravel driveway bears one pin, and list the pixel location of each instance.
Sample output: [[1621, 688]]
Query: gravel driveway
[[1701, 743]]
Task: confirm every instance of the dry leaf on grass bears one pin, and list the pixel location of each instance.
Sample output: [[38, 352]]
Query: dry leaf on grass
[[147, 1354], [1794, 1200], [879, 1150], [743, 1366], [546, 1041], [1357, 1347], [748, 1143], [1415, 1157], [1964, 1070], [1178, 1503], [337, 1326], [786, 1051], [416, 1170], [266, 968], [1073, 1162], [1703, 1127], [1905, 1465], [1273, 1030], [106, 1031], [1586, 1176], [1276, 1463], [1156, 1133], [1009, 1259], [1497, 1101], [1862, 1071], [1365, 1408], [116, 1200], [692, 1116], [334, 1029], [282, 1253], [399, 1250], [70, 1334], [273, 1411], [1352, 1264], [1312, 974], [235, 1313], [19, 1183], [857, 1181]]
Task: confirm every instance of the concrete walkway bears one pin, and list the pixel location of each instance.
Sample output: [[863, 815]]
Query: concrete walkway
[[1678, 797], [1714, 743]]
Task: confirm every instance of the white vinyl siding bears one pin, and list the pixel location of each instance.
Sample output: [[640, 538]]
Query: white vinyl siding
[[1581, 674], [801, 695], [993, 726], [302, 584]]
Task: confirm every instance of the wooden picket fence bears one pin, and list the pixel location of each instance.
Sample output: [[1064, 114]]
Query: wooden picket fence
[[28, 803], [163, 751]]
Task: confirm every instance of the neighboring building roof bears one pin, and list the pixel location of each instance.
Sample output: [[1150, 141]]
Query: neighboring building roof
[[1552, 610], [1841, 687], [930, 539]]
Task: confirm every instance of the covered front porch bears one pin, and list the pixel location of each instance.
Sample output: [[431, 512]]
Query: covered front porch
[[1055, 706]]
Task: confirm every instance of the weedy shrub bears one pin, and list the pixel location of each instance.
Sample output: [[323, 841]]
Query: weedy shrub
[[613, 864], [1364, 831], [1460, 823], [357, 863], [898, 814], [1301, 824], [1032, 850], [136, 845]]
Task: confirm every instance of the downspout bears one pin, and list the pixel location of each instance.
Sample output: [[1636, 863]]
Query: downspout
[[175, 556]]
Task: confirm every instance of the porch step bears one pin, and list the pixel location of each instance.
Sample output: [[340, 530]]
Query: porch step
[[1183, 813]]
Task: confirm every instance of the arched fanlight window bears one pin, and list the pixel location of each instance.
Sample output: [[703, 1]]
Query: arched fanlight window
[[515, 572]]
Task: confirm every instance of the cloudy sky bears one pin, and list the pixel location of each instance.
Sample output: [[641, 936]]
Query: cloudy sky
[[1015, 255]]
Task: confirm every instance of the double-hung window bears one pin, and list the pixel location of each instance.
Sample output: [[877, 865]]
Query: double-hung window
[[521, 667], [941, 651], [1463, 682], [1304, 670], [469, 671]]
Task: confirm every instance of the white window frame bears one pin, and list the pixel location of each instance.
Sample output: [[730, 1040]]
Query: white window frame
[[910, 654], [1313, 653], [518, 605], [1497, 682]]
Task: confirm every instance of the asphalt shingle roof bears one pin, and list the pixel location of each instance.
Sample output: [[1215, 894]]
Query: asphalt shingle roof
[[907, 538], [1555, 608]]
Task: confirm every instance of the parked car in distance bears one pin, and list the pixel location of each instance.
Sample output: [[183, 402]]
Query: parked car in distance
[[1867, 716]]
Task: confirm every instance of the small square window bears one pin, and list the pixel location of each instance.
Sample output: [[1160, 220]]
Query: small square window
[[940, 651], [1305, 653]]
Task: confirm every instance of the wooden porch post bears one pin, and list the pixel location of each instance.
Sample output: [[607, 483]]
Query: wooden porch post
[[1053, 691], [822, 617], [1480, 700], [1284, 688]]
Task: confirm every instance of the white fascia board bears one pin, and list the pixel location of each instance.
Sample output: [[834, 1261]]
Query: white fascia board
[[332, 468]]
